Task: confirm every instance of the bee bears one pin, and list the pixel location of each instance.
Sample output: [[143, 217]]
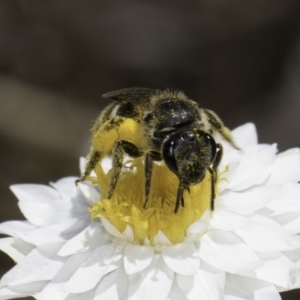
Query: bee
[[161, 125]]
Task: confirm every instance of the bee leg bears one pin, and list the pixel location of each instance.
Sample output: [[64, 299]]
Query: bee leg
[[93, 160], [218, 157], [212, 188], [179, 198], [120, 148], [117, 160], [214, 174], [148, 174], [218, 125]]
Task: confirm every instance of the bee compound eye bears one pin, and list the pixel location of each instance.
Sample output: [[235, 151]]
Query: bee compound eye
[[176, 143], [207, 141], [211, 143], [191, 136], [168, 153]]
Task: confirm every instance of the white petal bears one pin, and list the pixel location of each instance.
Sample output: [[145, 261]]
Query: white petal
[[82, 296], [113, 286], [160, 239], [56, 233], [14, 228], [227, 170], [294, 256], [70, 266], [111, 228], [147, 242], [289, 221], [248, 201], [244, 288], [90, 194], [226, 220], [152, 283], [286, 167], [7, 293], [137, 258], [54, 289], [40, 264], [226, 251], [29, 288], [286, 199], [23, 290], [245, 135], [197, 229], [128, 234], [296, 281], [90, 237], [265, 234], [66, 186], [182, 258], [48, 213], [207, 283], [176, 293], [258, 164], [103, 260], [277, 269], [280, 207], [34, 193], [106, 164], [59, 295], [15, 248], [82, 164]]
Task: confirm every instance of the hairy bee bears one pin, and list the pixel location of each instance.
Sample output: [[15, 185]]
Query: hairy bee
[[159, 125]]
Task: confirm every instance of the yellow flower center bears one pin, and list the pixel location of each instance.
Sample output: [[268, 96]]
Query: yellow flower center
[[126, 205]]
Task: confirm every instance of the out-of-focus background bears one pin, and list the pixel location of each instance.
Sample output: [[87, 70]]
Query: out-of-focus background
[[57, 57]]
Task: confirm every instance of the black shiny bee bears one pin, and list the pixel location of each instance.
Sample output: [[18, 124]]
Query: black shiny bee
[[159, 125]]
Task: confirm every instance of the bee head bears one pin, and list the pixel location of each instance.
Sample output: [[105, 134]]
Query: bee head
[[188, 153]]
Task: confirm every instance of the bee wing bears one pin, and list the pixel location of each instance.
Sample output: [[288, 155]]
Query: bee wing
[[135, 94]]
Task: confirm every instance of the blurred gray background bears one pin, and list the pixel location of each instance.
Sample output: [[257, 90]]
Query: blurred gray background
[[57, 57]]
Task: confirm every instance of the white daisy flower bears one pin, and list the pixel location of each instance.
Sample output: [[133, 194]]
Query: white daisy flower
[[77, 245]]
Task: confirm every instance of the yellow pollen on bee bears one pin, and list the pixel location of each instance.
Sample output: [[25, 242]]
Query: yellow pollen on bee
[[126, 205]]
